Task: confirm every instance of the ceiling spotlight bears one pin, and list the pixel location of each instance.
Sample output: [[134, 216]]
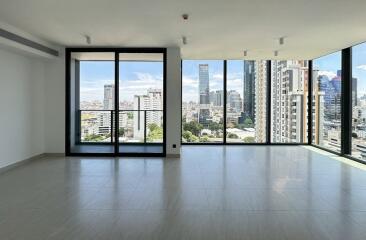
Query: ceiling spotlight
[[281, 40], [245, 53], [88, 39], [276, 53], [185, 16], [184, 40]]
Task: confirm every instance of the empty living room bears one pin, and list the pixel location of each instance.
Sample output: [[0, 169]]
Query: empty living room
[[182, 120]]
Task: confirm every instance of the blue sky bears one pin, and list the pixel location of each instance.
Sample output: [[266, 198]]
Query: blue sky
[[135, 78], [359, 67], [190, 77], [329, 64]]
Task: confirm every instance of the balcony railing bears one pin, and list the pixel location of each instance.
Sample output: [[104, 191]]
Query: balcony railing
[[135, 126]]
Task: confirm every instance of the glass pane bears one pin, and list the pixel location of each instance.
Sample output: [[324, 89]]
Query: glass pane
[[327, 101], [359, 101], [246, 101], [96, 93], [289, 98], [141, 100], [92, 102], [202, 101]]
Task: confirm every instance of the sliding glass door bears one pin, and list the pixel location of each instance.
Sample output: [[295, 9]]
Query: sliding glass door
[[115, 102], [141, 101]]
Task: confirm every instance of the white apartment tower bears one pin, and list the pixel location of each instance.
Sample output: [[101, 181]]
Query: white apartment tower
[[318, 110], [289, 101], [153, 103], [260, 100]]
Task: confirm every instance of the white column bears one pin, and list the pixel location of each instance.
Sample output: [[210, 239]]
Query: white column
[[173, 101]]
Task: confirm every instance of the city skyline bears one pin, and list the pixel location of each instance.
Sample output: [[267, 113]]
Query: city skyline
[[135, 78], [142, 75]]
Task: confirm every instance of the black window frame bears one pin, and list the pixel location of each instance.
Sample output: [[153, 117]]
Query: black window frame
[[268, 110], [116, 51]]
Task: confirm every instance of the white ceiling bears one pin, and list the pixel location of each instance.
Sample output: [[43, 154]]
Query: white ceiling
[[215, 29]]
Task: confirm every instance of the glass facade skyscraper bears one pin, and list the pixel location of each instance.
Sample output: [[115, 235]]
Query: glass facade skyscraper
[[204, 91], [249, 89]]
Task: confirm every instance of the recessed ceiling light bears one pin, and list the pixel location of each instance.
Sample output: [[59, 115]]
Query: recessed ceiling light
[[281, 40], [88, 39], [184, 40]]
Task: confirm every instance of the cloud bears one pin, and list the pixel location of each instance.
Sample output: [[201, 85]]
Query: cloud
[[138, 84], [235, 84], [217, 76], [329, 74], [189, 81], [363, 67]]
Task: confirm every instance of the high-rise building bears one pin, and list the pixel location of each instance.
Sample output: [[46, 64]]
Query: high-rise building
[[153, 100], [260, 115], [318, 110], [105, 117], [249, 89], [332, 96], [354, 92], [204, 94], [234, 102], [217, 97], [108, 100], [289, 101]]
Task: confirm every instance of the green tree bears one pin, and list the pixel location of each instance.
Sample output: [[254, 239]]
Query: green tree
[[249, 139], [354, 135], [130, 115], [213, 126], [93, 138], [189, 137], [232, 135], [153, 127], [155, 133], [121, 132], [248, 122], [194, 127], [204, 139]]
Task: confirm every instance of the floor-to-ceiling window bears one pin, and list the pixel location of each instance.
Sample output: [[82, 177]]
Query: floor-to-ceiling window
[[289, 99], [326, 105], [115, 101], [358, 96], [207, 100], [246, 104], [141, 100], [202, 101]]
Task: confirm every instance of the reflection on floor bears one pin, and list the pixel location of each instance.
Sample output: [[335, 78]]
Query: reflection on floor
[[211, 192], [98, 148]]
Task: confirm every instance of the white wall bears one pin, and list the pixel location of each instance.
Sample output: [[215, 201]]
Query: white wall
[[173, 94], [21, 107], [55, 105]]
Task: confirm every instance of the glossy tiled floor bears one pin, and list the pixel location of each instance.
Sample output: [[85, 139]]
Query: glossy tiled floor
[[212, 192]]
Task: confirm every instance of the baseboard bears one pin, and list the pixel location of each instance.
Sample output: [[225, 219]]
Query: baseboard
[[54, 154], [177, 155], [21, 162]]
